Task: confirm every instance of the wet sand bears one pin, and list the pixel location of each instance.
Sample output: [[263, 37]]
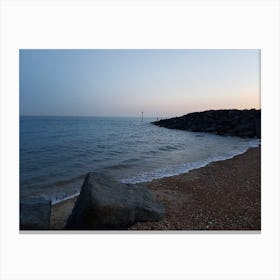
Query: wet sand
[[224, 195]]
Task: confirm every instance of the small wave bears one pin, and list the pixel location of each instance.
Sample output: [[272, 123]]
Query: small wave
[[119, 166], [184, 168], [68, 181], [168, 148], [31, 183], [115, 153], [58, 200], [131, 160]]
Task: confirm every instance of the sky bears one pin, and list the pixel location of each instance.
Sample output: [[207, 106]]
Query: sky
[[161, 83]]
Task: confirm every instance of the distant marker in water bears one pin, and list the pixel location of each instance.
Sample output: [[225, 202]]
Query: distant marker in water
[[142, 116]]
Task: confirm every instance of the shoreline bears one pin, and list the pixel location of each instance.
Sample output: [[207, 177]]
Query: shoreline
[[194, 166], [202, 198]]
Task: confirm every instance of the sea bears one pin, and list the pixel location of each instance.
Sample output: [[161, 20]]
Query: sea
[[57, 152]]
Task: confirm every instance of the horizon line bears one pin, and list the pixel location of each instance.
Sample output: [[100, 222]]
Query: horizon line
[[86, 116], [108, 116]]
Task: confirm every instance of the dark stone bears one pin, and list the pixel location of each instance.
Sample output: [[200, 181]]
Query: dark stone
[[106, 204], [35, 214], [242, 123]]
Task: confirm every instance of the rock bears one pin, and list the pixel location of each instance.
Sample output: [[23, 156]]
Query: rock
[[35, 214], [242, 123], [106, 204], [210, 129]]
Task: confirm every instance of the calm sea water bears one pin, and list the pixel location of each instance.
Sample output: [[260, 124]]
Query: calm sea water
[[57, 152]]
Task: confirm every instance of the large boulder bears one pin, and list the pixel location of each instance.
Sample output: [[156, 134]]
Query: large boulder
[[35, 214], [106, 204]]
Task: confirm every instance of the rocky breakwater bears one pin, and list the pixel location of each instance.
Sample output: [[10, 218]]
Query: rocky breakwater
[[106, 204], [241, 123]]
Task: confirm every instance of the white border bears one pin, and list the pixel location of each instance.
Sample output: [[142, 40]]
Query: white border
[[139, 24]]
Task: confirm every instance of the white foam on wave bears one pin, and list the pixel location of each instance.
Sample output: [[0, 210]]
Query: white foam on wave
[[58, 200], [186, 167]]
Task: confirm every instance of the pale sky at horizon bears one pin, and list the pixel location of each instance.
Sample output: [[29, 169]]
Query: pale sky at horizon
[[162, 83]]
